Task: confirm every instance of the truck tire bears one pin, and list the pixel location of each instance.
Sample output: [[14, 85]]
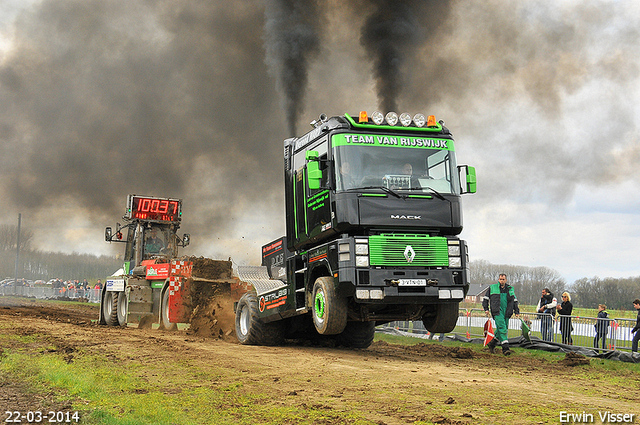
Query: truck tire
[[444, 320], [250, 330], [165, 323], [357, 334], [329, 310], [110, 308], [121, 309]]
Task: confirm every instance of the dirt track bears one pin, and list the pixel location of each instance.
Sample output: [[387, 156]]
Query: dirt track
[[386, 384]]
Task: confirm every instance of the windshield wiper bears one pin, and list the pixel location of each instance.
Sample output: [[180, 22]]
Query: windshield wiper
[[435, 192], [385, 189]]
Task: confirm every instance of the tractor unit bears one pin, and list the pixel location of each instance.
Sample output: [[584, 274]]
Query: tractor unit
[[373, 214]]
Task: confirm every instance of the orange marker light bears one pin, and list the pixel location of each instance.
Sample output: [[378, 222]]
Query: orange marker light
[[431, 121], [363, 117]]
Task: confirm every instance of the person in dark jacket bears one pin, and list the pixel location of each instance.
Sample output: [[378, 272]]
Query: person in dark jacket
[[501, 303], [547, 309], [602, 327], [636, 328], [564, 310]]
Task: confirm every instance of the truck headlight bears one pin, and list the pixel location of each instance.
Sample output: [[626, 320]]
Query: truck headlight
[[362, 249], [453, 246], [362, 261], [362, 253]]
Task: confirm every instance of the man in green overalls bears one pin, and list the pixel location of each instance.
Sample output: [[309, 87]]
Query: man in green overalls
[[501, 303]]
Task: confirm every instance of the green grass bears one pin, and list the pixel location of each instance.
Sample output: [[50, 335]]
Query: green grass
[[124, 392]]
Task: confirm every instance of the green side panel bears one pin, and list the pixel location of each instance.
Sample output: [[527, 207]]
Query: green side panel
[[389, 250], [306, 219], [157, 284], [127, 267]]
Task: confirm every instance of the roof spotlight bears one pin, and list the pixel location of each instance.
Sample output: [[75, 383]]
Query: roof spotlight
[[419, 120], [405, 119], [377, 117], [392, 118]]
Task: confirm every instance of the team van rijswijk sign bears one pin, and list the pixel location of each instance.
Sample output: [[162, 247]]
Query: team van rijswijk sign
[[392, 141]]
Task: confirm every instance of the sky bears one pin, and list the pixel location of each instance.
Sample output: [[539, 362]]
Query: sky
[[192, 100]]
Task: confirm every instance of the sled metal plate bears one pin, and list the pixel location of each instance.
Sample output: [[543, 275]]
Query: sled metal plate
[[258, 276]]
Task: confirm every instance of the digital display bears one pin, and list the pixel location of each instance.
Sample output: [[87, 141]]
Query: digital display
[[155, 209]]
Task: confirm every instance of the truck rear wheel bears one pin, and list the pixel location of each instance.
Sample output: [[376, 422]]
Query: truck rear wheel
[[165, 323], [250, 330], [329, 310], [444, 320], [110, 308], [357, 334]]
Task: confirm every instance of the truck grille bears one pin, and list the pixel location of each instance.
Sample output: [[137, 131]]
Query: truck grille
[[389, 250]]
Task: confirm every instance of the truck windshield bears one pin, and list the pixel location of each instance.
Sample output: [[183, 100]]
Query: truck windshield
[[417, 170]]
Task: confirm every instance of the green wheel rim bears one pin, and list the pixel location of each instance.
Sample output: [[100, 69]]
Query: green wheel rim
[[319, 304]]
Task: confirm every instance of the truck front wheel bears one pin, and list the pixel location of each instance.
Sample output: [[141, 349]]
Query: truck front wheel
[[444, 320], [329, 310], [250, 330]]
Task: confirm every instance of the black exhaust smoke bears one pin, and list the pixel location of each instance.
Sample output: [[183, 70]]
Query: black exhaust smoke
[[292, 40], [392, 35]]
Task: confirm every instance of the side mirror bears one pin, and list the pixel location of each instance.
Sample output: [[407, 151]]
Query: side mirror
[[186, 238], [107, 234], [470, 178], [313, 170]]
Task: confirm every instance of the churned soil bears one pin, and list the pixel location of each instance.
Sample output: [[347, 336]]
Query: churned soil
[[429, 382]]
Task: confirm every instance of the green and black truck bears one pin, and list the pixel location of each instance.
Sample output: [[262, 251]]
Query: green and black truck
[[373, 214]]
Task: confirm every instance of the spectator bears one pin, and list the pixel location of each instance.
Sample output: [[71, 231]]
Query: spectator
[[636, 328], [501, 303], [564, 310], [602, 327], [547, 306]]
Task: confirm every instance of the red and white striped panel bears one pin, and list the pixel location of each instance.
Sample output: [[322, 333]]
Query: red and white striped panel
[[175, 284], [181, 268]]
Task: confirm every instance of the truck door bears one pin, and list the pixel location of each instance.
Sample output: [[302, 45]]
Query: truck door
[[312, 207]]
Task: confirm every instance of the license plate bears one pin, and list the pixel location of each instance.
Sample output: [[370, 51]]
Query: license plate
[[412, 282]]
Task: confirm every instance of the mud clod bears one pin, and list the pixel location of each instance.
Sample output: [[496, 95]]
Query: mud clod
[[574, 359]]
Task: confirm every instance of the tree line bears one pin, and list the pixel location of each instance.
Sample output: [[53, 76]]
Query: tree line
[[528, 282], [40, 265]]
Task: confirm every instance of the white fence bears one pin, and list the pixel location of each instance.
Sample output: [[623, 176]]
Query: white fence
[[471, 322]]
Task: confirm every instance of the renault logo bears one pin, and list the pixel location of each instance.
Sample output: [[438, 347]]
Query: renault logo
[[409, 254]]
